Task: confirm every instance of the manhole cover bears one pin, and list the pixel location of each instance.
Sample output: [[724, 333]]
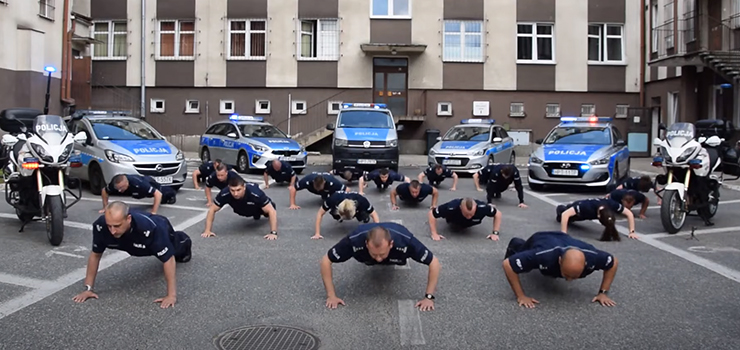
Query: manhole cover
[[267, 338]]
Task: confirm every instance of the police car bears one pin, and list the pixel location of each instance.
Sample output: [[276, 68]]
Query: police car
[[248, 142], [118, 143], [472, 145], [586, 151]]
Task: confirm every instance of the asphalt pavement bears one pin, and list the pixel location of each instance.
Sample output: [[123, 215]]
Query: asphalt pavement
[[672, 292]]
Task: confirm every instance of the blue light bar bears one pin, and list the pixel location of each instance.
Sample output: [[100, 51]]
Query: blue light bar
[[364, 105], [477, 121], [246, 118], [50, 69], [592, 119]]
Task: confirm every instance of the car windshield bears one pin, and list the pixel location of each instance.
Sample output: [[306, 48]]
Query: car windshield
[[468, 133], [256, 130], [580, 135], [365, 119], [679, 134], [51, 128], [123, 130]]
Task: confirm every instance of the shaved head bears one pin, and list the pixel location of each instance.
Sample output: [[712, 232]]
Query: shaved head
[[117, 218], [572, 263], [117, 209], [379, 243]]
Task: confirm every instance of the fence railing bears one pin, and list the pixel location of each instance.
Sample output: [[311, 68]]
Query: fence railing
[[694, 33], [311, 117]]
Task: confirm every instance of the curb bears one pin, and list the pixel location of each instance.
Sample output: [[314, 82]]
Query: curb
[[642, 172]]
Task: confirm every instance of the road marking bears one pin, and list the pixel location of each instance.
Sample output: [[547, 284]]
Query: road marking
[[703, 249], [144, 203], [73, 224], [25, 281], [697, 232], [52, 252], [409, 323], [398, 221], [720, 203], [556, 194]]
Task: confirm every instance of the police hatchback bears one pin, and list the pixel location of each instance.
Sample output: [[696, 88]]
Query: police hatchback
[[585, 151], [118, 143], [472, 145], [248, 142]]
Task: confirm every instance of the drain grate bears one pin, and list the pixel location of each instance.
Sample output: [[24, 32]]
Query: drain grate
[[266, 337]]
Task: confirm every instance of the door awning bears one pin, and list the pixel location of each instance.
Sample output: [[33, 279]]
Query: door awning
[[380, 48]]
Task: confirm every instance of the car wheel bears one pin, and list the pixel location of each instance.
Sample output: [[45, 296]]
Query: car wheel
[[242, 162], [205, 155], [299, 171], [97, 181], [512, 159]]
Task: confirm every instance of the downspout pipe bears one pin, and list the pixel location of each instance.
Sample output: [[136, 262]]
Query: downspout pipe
[[65, 51], [642, 53], [143, 60]]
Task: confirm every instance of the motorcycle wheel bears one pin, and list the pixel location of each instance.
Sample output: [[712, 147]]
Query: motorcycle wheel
[[714, 204], [672, 215], [55, 220]]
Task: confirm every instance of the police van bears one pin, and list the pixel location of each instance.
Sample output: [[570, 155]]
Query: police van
[[581, 151], [472, 145], [118, 143], [365, 137]]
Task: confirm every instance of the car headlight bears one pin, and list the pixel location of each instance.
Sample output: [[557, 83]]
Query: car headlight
[[479, 152], [432, 152], [340, 142], [116, 157], [535, 160], [179, 156], [391, 143], [685, 155], [66, 153], [40, 151], [258, 148], [303, 149], [601, 161]]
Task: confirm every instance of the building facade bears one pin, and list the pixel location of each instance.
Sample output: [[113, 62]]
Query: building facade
[[523, 63]]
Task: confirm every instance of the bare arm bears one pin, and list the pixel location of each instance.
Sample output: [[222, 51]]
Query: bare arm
[[272, 214], [362, 185], [564, 218], [406, 179], [606, 281], [393, 198], [157, 201], [319, 215], [267, 179], [433, 277], [475, 181], [292, 181], [421, 176], [497, 220], [630, 220], [209, 198], [454, 181], [433, 226], [644, 207], [513, 278], [169, 277], [209, 220], [326, 276], [292, 198], [435, 197], [93, 263], [195, 175], [375, 217], [104, 197]]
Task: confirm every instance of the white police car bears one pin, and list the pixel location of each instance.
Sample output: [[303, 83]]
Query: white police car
[[248, 142], [472, 145], [584, 151]]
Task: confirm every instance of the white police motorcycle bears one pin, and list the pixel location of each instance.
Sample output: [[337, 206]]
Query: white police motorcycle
[[35, 164], [693, 175]]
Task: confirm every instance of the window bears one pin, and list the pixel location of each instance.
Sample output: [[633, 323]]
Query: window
[[298, 107], [654, 24], [247, 39], [463, 41], [176, 39], [46, 9], [334, 107], [534, 42], [605, 43], [226, 107], [516, 109], [689, 16], [390, 8], [319, 39], [552, 110], [113, 37], [262, 107], [734, 13], [588, 110], [668, 10], [192, 106], [621, 111], [156, 105], [444, 109]]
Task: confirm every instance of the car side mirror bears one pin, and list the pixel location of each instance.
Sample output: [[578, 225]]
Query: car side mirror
[[662, 126], [330, 126], [80, 137], [439, 138], [231, 134], [497, 139], [621, 143], [399, 127], [538, 141]]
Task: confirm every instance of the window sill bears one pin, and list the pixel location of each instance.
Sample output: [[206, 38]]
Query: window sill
[[317, 59], [389, 17], [170, 58], [536, 62], [246, 58], [192, 112], [599, 63], [109, 58], [46, 18], [464, 61]]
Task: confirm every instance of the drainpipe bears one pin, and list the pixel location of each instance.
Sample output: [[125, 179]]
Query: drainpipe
[[642, 54], [68, 79], [65, 50], [143, 59]]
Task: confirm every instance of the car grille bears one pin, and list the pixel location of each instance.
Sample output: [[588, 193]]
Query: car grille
[[285, 153], [463, 161], [549, 167], [361, 143], [151, 169]]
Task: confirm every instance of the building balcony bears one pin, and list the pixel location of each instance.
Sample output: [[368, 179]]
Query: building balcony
[[682, 42]]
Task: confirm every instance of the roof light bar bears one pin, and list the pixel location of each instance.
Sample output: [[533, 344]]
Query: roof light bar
[[478, 121], [591, 119], [246, 118], [364, 105]]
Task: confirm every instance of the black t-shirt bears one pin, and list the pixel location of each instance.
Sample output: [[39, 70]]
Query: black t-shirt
[[453, 214], [285, 173], [405, 246], [331, 184], [587, 209], [617, 195], [374, 176], [251, 203], [404, 192], [212, 180], [139, 186], [148, 236], [432, 175], [363, 205]]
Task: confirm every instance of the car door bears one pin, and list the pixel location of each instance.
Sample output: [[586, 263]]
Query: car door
[[85, 150], [620, 148], [215, 143], [229, 137], [507, 145], [496, 145]]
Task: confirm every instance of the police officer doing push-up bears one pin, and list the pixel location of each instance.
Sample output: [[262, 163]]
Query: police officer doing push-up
[[601, 209], [138, 186], [383, 178], [557, 255], [203, 171], [438, 173], [349, 174], [246, 200], [463, 213], [219, 179], [413, 192], [322, 184], [139, 234], [497, 178], [618, 196], [384, 243], [345, 206], [281, 172]]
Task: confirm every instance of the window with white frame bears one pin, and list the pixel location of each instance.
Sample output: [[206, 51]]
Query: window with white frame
[[298, 107], [226, 107], [606, 43], [463, 41], [319, 39], [444, 109], [588, 109], [247, 39], [333, 107], [622, 111], [156, 105], [390, 8], [516, 109], [262, 107], [552, 110], [688, 19], [734, 14], [46, 9], [176, 39], [654, 24], [112, 38], [668, 10], [192, 106], [534, 42]]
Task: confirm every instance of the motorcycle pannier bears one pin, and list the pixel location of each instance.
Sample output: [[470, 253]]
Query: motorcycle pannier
[[12, 119]]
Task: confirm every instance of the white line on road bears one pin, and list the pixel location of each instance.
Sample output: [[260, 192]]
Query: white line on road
[[720, 203], [398, 221], [52, 252], [144, 203], [555, 194], [409, 323], [697, 232], [72, 224], [25, 281]]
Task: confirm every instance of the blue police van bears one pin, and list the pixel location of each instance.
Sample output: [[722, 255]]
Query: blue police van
[[365, 137]]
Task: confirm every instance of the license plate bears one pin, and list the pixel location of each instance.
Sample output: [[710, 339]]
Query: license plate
[[163, 179], [565, 172], [288, 159], [452, 162], [366, 161]]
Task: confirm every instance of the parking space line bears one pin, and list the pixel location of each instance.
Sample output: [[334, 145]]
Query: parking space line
[[52, 252], [72, 224], [409, 323], [25, 281], [720, 203], [556, 194], [145, 203], [697, 232]]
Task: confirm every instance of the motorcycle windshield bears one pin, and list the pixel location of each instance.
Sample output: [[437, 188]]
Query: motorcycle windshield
[[51, 128], [679, 134]]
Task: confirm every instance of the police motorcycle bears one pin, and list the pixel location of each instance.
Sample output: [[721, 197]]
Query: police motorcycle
[[37, 152], [693, 175]]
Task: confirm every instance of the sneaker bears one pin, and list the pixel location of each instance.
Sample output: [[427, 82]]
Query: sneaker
[[172, 200], [188, 252]]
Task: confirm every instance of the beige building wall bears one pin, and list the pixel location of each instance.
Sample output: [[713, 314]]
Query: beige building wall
[[499, 70], [354, 68], [571, 45], [425, 70], [211, 37], [282, 66]]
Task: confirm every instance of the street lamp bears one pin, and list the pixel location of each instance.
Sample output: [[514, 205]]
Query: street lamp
[[49, 69]]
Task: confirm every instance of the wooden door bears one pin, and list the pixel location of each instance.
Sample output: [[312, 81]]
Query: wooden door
[[81, 90]]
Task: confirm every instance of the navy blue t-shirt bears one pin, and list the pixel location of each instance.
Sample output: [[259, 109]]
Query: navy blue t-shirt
[[148, 236], [617, 195], [432, 175], [374, 176], [285, 174], [251, 203], [356, 173], [452, 213], [363, 205], [206, 169], [331, 184], [631, 183], [543, 250], [587, 209], [212, 180], [139, 186], [404, 192], [405, 246]]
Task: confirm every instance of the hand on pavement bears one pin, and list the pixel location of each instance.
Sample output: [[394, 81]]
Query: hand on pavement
[[425, 305], [166, 302], [527, 302], [79, 298], [334, 302], [604, 300], [207, 234]]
